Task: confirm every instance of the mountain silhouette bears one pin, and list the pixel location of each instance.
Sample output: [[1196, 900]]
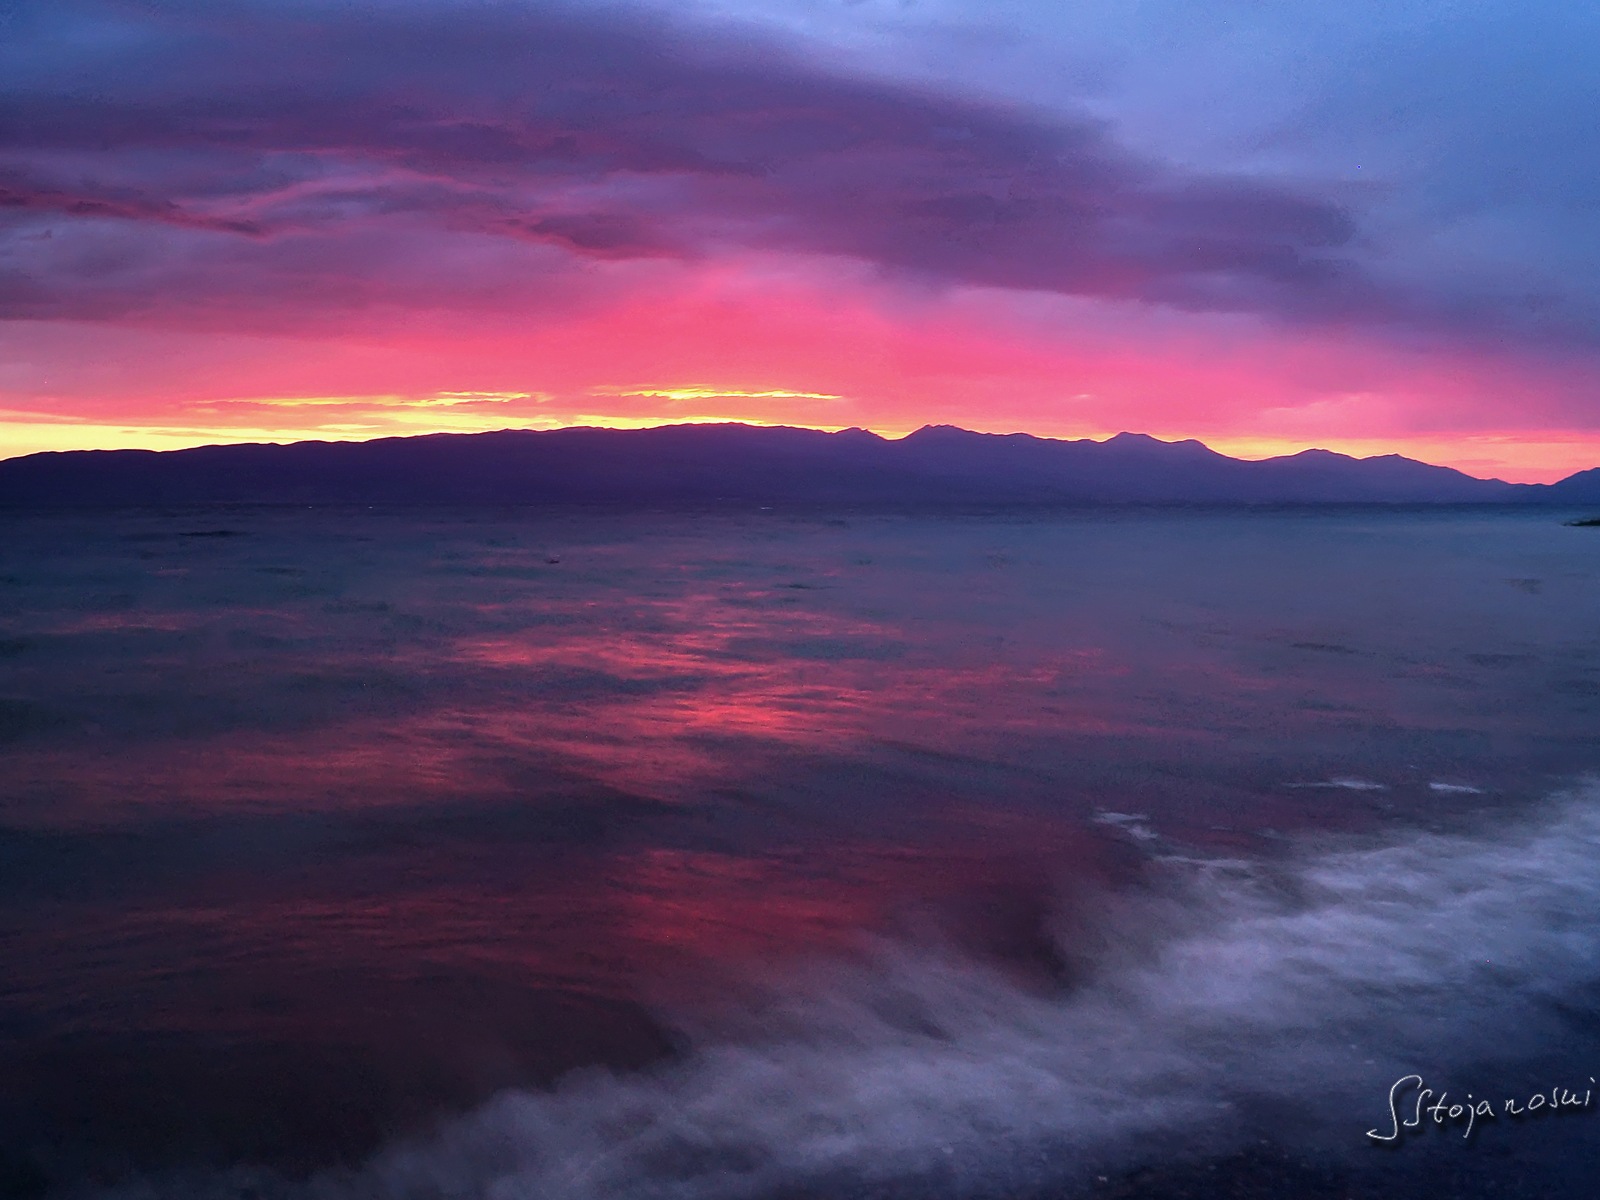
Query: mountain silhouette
[[938, 465]]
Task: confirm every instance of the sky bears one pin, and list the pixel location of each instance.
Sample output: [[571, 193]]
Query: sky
[[1371, 227]]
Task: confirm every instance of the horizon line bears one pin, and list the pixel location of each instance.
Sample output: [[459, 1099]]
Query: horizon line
[[263, 438]]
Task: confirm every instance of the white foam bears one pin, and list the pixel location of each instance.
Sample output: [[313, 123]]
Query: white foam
[[1455, 789], [1135, 825], [1336, 970], [1345, 783]]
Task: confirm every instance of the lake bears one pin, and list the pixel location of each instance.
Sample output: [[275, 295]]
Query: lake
[[579, 854]]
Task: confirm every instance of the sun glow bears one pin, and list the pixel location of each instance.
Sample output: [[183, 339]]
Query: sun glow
[[699, 393], [440, 400], [1517, 457]]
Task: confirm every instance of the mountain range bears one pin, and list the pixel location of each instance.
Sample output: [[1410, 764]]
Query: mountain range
[[937, 465]]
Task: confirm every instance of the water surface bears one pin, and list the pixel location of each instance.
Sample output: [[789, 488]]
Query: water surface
[[740, 854]]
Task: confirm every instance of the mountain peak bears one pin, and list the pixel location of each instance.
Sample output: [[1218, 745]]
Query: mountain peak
[[938, 465], [1143, 443]]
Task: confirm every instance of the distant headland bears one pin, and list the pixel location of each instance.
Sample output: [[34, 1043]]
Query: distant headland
[[938, 465]]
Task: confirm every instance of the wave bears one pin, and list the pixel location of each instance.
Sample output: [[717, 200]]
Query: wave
[[1219, 996], [1344, 783]]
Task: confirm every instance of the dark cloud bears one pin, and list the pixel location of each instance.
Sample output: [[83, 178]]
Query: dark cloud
[[18, 195], [613, 134], [616, 235]]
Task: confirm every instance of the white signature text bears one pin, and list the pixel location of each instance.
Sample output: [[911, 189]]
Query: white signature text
[[1557, 1099]]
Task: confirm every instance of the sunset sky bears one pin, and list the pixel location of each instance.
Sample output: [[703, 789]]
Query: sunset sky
[[1371, 226]]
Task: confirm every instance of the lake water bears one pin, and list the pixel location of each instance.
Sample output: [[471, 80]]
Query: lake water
[[500, 853]]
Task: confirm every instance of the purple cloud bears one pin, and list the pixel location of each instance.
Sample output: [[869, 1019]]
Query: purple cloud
[[612, 135], [19, 195]]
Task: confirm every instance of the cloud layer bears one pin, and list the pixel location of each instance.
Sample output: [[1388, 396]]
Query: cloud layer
[[292, 146], [623, 208]]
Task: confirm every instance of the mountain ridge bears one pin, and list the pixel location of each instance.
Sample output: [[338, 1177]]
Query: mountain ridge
[[733, 462]]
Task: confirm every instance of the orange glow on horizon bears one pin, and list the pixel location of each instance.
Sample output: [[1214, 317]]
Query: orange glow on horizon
[[1551, 456], [819, 345]]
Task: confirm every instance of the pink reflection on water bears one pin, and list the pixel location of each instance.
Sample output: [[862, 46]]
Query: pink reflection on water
[[355, 766], [315, 948], [705, 908], [669, 662], [655, 694]]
